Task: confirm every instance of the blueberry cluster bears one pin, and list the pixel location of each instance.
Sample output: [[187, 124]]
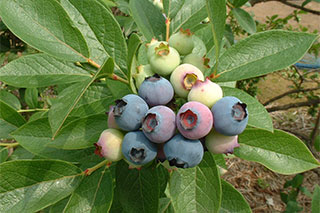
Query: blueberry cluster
[[143, 127]]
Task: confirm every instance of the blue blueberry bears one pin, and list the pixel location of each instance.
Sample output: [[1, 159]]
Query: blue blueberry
[[156, 90], [129, 112], [230, 116], [182, 152], [137, 149], [159, 124]]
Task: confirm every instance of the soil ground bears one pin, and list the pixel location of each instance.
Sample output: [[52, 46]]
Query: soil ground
[[260, 186]]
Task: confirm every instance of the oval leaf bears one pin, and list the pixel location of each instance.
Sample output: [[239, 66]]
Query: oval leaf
[[94, 194], [35, 137], [31, 185], [232, 200], [279, 151], [31, 97], [263, 53], [149, 19], [41, 70], [10, 99], [10, 115], [106, 30], [49, 28], [315, 205], [217, 13], [245, 20], [189, 16], [196, 189], [138, 189], [172, 7], [258, 115]]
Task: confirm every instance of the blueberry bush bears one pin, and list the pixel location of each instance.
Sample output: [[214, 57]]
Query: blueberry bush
[[63, 153]]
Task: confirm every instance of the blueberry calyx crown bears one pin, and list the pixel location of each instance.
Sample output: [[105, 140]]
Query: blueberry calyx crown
[[150, 122], [162, 49], [188, 119], [137, 154], [189, 80], [239, 111], [178, 163], [119, 108], [98, 149]]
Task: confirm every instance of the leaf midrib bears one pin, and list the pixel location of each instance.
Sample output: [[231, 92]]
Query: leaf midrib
[[44, 28]]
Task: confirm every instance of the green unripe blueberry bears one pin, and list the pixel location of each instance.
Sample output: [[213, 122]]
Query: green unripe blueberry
[[205, 92], [142, 72], [109, 145], [165, 59], [152, 46], [184, 77], [182, 41], [200, 62]]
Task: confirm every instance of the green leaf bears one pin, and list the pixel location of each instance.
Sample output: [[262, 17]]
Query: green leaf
[[81, 133], [148, 18], [217, 10], [10, 99], [238, 3], [94, 194], [232, 200], [31, 97], [4, 154], [258, 115], [245, 20], [220, 161], [117, 88], [57, 207], [41, 70], [65, 103], [164, 204], [189, 16], [49, 30], [5, 129], [172, 7], [21, 153], [106, 30], [31, 185], [205, 34], [279, 151], [138, 189], [107, 68], [199, 46], [196, 189], [133, 46], [262, 53], [96, 100], [315, 205], [96, 49], [36, 136], [10, 115]]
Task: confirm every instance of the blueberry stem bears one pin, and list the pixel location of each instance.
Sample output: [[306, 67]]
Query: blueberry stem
[[89, 171], [113, 76], [167, 29], [31, 110], [9, 145]]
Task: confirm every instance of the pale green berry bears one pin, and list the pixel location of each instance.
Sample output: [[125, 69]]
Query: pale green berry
[[205, 92], [182, 41]]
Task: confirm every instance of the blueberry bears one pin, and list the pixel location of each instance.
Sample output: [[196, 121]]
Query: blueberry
[[205, 92], [156, 90], [164, 60], [194, 120], [230, 116], [184, 77], [137, 149], [129, 112], [182, 41], [159, 124], [109, 145], [201, 63], [111, 120], [182, 152], [217, 143]]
